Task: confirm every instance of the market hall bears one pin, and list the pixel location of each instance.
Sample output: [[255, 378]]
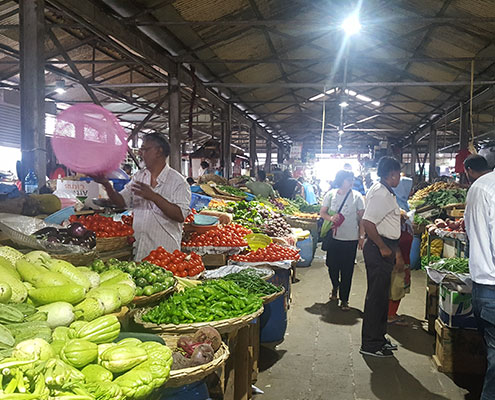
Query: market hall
[[246, 199]]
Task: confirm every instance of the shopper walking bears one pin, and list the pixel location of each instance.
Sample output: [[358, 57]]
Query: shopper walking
[[480, 227], [381, 222], [347, 208]]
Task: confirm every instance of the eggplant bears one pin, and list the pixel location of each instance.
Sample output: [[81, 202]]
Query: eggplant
[[45, 231], [76, 230]]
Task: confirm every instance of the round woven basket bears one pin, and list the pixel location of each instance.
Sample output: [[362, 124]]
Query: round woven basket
[[271, 297], [185, 376], [111, 243], [222, 326], [121, 314], [141, 301], [77, 259]]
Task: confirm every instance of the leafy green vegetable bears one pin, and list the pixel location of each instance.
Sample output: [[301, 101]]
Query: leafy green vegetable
[[441, 198], [252, 282], [456, 265]]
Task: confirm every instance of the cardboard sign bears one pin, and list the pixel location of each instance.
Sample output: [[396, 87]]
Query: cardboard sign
[[68, 188]]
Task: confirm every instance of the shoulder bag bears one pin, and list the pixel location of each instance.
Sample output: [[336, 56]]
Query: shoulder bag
[[328, 237]]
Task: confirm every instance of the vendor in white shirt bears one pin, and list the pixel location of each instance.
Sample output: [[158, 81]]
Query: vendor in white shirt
[[159, 197], [479, 218]]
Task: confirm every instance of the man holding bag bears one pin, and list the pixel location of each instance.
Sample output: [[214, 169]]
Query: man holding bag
[[381, 222], [344, 233]]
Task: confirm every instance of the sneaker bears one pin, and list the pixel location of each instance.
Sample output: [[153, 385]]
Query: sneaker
[[333, 295], [389, 345], [383, 353], [344, 306]]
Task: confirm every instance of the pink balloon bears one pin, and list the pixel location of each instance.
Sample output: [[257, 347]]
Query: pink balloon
[[89, 139]]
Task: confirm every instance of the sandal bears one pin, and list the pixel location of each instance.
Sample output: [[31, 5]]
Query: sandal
[[399, 321]]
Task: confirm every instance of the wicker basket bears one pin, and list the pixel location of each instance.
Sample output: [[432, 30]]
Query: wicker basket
[[121, 314], [185, 376], [111, 243], [274, 296], [141, 301], [222, 326], [77, 259]]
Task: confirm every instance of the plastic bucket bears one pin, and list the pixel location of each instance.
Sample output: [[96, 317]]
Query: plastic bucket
[[193, 391], [414, 255], [306, 247], [198, 201], [273, 321]]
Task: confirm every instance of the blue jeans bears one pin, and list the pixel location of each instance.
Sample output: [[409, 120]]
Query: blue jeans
[[484, 311]]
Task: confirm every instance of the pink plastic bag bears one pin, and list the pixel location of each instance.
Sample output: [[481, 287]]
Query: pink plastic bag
[[89, 139]]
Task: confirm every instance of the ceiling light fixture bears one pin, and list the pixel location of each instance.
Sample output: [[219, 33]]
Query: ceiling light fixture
[[339, 147], [344, 104], [351, 25], [318, 96], [60, 86], [341, 132], [376, 103], [363, 98]]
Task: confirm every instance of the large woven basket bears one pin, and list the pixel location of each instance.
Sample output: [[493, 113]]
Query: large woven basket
[[111, 243], [274, 296], [77, 259], [141, 301], [222, 326], [185, 376]]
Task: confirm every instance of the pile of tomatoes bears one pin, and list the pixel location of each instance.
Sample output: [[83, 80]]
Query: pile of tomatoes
[[179, 263], [226, 236], [272, 252], [190, 217], [104, 227]]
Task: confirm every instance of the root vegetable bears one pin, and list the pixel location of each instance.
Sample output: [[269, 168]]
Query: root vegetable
[[209, 335], [202, 354]]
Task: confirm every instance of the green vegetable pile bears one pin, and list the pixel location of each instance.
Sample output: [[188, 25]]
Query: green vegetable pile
[[252, 282], [304, 206], [442, 198], [149, 278], [84, 363], [456, 265], [433, 259], [232, 190], [212, 301], [420, 220]]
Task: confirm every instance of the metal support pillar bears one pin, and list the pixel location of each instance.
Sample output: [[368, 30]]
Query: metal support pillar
[[463, 127], [174, 132], [414, 157], [252, 148], [280, 155], [32, 85], [268, 160], [432, 150], [226, 141]]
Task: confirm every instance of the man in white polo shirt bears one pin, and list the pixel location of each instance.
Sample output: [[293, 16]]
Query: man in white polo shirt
[[381, 223], [480, 227]]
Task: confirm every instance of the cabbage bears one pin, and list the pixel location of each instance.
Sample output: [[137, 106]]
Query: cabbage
[[59, 313], [38, 349]]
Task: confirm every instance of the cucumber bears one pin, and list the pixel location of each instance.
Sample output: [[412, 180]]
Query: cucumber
[[70, 272], [72, 294]]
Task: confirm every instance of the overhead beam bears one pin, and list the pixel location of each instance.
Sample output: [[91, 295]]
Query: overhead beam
[[314, 23], [144, 50]]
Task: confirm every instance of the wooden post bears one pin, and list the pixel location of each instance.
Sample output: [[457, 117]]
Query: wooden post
[[174, 132], [463, 127], [242, 366], [432, 150], [414, 156], [32, 85]]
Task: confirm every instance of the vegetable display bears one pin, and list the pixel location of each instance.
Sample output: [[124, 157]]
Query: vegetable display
[[272, 252], [441, 198], [211, 301], [456, 265], [225, 236], [421, 194], [252, 282], [75, 234], [148, 277], [304, 206], [178, 263], [232, 190], [104, 227], [83, 364]]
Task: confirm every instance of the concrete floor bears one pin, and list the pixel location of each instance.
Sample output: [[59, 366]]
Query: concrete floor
[[319, 357]]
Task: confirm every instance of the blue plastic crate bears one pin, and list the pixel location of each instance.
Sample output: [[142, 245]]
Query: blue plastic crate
[[198, 201]]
